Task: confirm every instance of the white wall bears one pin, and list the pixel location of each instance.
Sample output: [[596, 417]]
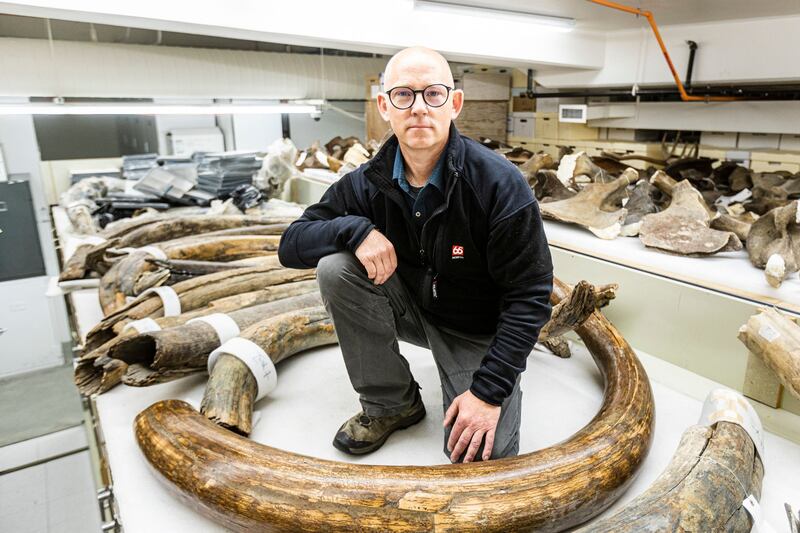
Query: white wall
[[305, 130], [113, 70]]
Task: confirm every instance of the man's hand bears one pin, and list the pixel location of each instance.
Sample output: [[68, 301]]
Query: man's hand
[[474, 421], [377, 255]]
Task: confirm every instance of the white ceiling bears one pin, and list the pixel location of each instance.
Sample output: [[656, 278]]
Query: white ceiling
[[592, 16]]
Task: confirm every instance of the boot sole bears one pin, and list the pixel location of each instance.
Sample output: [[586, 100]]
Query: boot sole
[[377, 444]]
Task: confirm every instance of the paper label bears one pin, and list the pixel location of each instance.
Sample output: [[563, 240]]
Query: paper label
[[767, 332]]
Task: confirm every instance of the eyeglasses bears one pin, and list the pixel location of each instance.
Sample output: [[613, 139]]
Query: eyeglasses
[[433, 95]]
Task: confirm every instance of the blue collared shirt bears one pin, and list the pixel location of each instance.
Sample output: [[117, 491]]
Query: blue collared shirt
[[429, 197]]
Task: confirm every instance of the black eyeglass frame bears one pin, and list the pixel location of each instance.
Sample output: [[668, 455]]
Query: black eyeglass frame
[[419, 91]]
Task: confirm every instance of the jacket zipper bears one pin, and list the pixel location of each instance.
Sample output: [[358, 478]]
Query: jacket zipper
[[431, 276]]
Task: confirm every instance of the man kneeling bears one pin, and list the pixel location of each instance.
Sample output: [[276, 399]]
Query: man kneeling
[[436, 241]]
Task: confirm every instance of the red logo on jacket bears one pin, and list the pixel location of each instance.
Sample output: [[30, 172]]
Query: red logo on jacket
[[458, 251]]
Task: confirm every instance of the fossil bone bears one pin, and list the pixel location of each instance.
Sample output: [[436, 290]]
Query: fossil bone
[[591, 207], [683, 228]]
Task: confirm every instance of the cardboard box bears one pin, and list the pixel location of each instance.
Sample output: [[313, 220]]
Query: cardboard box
[[572, 131], [485, 86], [484, 119], [523, 125], [547, 126], [523, 104]]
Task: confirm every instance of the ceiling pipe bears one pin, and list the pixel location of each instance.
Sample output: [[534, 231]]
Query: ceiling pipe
[[690, 66], [649, 16]]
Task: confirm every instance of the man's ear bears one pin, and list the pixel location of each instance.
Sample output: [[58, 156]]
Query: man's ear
[[383, 106], [458, 103]]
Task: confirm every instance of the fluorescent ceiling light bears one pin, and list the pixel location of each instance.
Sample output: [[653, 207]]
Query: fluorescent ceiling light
[[154, 109], [453, 8]]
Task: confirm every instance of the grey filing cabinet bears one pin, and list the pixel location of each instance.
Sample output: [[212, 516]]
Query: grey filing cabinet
[[20, 250]]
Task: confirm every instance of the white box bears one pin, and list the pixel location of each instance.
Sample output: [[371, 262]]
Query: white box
[[760, 141], [718, 139], [523, 125], [790, 143]]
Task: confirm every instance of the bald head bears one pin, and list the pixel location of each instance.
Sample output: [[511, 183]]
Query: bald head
[[421, 129], [415, 63]]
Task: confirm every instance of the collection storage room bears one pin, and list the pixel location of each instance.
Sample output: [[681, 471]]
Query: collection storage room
[[399, 266]]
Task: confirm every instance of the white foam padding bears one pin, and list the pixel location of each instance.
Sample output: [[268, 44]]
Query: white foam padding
[[730, 406], [169, 299], [224, 326], [256, 359], [143, 325]]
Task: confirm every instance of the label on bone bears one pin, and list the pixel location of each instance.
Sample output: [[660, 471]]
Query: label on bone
[[768, 333], [254, 357], [725, 405], [760, 525], [169, 299], [224, 326], [144, 325]]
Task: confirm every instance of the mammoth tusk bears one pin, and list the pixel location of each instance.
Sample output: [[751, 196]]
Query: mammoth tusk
[[247, 486]]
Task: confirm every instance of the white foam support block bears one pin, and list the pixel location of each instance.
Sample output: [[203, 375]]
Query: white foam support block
[[169, 298], [224, 326], [256, 359]]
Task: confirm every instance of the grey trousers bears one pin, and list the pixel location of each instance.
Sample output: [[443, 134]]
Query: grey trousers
[[369, 319]]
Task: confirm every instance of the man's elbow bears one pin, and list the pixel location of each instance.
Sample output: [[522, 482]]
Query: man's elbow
[[287, 249]]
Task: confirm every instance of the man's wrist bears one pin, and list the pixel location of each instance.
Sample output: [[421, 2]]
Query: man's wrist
[[484, 398]]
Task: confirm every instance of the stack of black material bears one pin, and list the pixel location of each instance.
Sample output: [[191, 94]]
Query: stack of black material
[[220, 173], [134, 167]]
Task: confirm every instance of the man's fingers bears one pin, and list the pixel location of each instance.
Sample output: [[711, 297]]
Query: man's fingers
[[461, 444], [455, 434], [474, 444], [488, 445], [379, 272], [387, 269], [393, 258], [450, 415], [369, 265]]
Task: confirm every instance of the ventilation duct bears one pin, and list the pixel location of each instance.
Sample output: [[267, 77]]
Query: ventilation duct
[[31, 67]]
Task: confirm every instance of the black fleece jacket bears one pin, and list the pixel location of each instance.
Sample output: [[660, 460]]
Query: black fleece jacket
[[480, 264]]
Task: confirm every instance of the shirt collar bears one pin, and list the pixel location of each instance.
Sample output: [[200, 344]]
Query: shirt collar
[[399, 172]]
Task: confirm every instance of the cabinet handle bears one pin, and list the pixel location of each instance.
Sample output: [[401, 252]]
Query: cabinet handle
[[3, 207]]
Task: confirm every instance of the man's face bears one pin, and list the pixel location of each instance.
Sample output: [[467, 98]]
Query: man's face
[[421, 126]]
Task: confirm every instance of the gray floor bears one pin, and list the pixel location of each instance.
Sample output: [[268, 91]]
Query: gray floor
[[38, 403], [54, 497]]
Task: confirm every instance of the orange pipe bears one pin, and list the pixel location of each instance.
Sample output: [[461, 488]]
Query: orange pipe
[[649, 16]]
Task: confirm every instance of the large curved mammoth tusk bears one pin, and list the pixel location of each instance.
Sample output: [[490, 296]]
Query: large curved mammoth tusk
[[249, 486], [713, 470]]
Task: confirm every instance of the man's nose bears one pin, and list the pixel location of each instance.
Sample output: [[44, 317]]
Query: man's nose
[[419, 107]]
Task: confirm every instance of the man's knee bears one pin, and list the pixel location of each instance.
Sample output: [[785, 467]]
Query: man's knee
[[336, 271]]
